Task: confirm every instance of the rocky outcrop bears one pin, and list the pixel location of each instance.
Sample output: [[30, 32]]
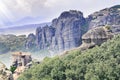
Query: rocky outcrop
[[108, 16], [95, 36], [5, 74], [30, 64], [30, 42], [20, 60], [44, 36], [70, 26], [64, 33]]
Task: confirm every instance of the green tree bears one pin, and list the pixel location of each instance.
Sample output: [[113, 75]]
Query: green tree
[[12, 68]]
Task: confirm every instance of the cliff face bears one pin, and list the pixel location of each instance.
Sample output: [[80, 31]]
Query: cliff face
[[64, 33], [108, 16], [44, 36], [30, 42], [69, 28]]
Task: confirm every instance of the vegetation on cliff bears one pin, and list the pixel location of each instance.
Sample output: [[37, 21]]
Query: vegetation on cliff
[[99, 63], [12, 43]]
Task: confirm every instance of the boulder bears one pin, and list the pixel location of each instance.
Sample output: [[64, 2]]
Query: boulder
[[95, 36], [5, 74]]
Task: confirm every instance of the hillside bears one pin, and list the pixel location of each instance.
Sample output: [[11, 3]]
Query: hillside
[[99, 63], [12, 43]]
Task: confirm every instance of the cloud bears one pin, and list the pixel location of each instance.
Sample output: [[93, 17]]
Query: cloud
[[13, 10], [24, 7]]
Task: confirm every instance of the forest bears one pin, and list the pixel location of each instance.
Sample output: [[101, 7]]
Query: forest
[[99, 63]]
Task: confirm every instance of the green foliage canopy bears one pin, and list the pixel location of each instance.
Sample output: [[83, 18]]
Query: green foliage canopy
[[99, 63]]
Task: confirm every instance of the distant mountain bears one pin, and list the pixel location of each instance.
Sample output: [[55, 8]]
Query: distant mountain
[[23, 29], [24, 21], [28, 20]]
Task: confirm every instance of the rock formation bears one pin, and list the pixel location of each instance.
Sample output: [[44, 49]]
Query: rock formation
[[70, 26], [20, 60], [95, 36], [30, 64], [30, 43], [5, 74], [108, 16], [64, 33], [44, 36]]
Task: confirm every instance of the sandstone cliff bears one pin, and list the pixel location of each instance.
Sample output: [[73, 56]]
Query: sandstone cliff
[[44, 36], [107, 16], [70, 26], [66, 31], [30, 42]]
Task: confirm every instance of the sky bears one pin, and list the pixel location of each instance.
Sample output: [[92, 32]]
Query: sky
[[14, 11]]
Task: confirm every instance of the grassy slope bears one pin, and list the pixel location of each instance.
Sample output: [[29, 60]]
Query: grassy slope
[[99, 63]]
